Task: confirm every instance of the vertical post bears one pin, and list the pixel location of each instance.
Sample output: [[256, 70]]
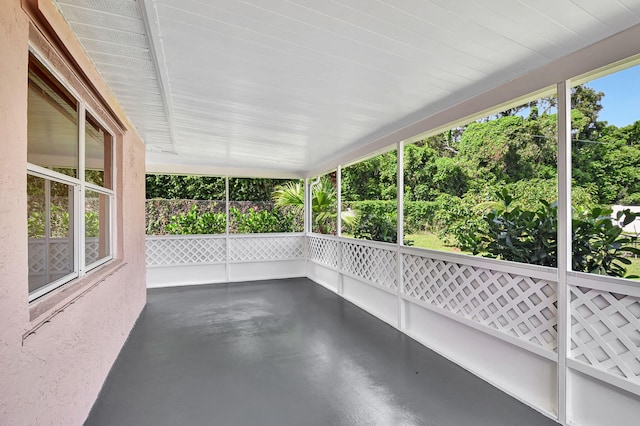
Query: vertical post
[[47, 231], [226, 229], [79, 213], [564, 245], [339, 200], [339, 230], [307, 227], [400, 234]]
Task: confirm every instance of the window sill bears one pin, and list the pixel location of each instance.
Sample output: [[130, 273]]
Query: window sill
[[45, 308]]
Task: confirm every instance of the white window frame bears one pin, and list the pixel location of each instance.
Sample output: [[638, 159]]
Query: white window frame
[[80, 186]]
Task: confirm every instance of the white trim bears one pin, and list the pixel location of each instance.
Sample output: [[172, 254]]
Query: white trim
[[402, 319], [57, 75], [268, 235], [48, 288], [367, 282], [98, 263], [43, 172], [564, 238], [530, 347], [227, 230], [177, 265], [604, 376], [278, 259], [525, 269], [158, 163], [366, 309], [184, 237], [317, 262], [155, 45], [329, 237], [604, 283], [391, 247], [473, 371], [96, 188]]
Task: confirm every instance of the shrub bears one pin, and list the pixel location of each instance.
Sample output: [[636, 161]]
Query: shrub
[[262, 221], [193, 222], [253, 220], [530, 236]]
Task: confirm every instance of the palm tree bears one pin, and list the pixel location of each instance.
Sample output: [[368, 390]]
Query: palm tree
[[323, 203]]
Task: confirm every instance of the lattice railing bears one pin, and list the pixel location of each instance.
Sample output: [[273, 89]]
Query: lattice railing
[[266, 247], [374, 264], [323, 250], [519, 305], [60, 256], [170, 250], [605, 331], [37, 257], [91, 250]]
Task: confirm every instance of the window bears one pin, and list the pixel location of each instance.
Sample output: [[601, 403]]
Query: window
[[69, 184]]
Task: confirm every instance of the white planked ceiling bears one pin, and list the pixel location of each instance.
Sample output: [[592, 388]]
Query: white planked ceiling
[[276, 87]]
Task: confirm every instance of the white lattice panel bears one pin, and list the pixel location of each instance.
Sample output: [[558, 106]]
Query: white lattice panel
[[60, 257], [518, 305], [372, 264], [91, 251], [266, 248], [324, 251], [605, 331], [185, 251], [36, 257]]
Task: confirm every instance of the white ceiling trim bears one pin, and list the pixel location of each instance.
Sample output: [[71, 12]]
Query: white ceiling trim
[[149, 11]]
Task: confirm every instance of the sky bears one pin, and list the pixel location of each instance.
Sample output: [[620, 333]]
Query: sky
[[621, 103]]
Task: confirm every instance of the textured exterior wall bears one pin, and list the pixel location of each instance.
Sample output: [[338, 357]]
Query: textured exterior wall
[[56, 353]]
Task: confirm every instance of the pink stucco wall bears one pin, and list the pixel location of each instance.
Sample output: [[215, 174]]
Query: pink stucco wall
[[53, 376]]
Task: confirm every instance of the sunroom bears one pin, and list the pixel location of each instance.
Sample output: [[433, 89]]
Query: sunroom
[[329, 323]]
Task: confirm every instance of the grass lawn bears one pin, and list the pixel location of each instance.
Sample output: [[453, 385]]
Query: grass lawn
[[430, 241], [634, 268]]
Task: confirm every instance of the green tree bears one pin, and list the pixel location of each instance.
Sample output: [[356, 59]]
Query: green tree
[[323, 204]]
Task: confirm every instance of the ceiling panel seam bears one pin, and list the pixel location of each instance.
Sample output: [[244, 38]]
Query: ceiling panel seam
[[154, 38]]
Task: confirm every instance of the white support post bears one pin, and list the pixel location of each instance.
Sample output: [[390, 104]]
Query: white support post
[[79, 212], [307, 206], [339, 200], [400, 234], [339, 230], [308, 200], [226, 229], [305, 223], [564, 246], [47, 231]]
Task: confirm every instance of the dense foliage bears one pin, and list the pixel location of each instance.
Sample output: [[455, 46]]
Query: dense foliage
[[530, 236], [243, 222], [209, 188]]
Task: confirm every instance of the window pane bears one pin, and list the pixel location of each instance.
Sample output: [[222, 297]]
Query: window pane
[[98, 146], [97, 223], [49, 215], [52, 123]]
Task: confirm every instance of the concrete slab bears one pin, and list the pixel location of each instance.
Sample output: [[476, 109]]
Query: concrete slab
[[286, 352]]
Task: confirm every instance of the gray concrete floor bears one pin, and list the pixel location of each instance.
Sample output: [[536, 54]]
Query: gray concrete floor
[[286, 352]]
